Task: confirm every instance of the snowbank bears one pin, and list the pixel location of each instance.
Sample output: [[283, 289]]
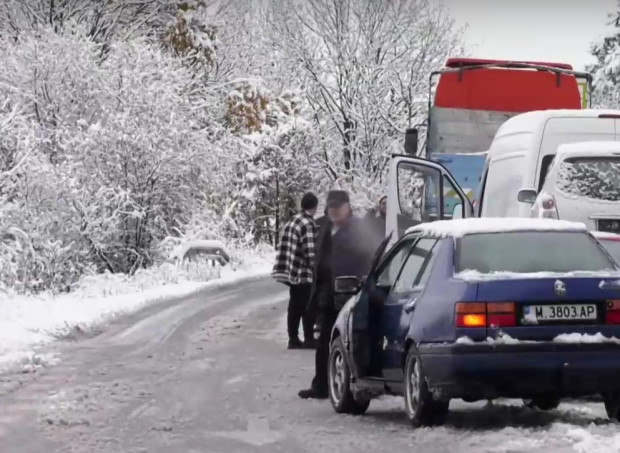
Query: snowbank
[[470, 275], [585, 338], [28, 322], [461, 227]]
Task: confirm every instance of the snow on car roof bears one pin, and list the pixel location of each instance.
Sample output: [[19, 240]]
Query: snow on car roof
[[461, 227], [535, 119], [588, 149]]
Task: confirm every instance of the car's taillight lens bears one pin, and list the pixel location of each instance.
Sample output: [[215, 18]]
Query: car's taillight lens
[[501, 314], [612, 314], [482, 314], [470, 314], [549, 206], [548, 203]]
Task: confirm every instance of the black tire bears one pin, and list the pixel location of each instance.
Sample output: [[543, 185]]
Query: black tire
[[339, 380], [544, 403], [422, 409], [612, 405]]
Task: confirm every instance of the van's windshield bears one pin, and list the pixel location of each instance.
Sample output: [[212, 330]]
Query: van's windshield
[[590, 177]]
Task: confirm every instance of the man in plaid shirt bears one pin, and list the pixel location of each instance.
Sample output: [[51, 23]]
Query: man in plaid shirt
[[295, 268]]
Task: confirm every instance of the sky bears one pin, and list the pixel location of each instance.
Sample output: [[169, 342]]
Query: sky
[[535, 30]]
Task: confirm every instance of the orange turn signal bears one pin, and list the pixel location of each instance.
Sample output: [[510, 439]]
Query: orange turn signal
[[474, 320]]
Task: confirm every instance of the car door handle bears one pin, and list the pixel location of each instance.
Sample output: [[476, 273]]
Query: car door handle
[[409, 306]]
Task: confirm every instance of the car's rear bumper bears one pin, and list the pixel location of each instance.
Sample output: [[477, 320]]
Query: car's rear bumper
[[525, 370]]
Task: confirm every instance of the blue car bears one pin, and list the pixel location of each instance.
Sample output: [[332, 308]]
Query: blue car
[[480, 309]]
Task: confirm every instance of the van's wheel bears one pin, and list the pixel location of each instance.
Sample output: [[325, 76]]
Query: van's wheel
[[340, 393], [544, 403], [422, 409], [612, 405]]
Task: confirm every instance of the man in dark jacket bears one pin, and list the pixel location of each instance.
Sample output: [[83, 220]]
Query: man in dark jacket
[[294, 267], [375, 218], [321, 221], [343, 250]]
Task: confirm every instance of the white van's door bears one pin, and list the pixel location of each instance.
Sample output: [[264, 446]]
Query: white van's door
[[416, 189]]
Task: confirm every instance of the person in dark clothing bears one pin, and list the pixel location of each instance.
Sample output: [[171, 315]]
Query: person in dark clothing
[[321, 221], [295, 268], [376, 217], [343, 250]]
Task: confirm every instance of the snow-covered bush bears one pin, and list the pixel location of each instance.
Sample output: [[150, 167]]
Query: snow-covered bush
[[120, 154]]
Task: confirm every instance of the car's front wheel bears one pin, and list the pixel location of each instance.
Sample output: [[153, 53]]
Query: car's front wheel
[[612, 405], [422, 409], [340, 393]]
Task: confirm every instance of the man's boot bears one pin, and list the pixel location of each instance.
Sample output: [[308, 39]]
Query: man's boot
[[295, 343], [310, 343], [313, 393]]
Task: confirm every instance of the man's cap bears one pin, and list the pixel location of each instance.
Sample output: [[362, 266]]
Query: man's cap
[[336, 198]]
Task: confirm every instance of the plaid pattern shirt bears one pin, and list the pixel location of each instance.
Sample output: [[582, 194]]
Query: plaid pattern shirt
[[296, 251]]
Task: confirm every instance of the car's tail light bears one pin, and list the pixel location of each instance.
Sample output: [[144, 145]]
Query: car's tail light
[[501, 314], [549, 208], [470, 314], [612, 314], [483, 314]]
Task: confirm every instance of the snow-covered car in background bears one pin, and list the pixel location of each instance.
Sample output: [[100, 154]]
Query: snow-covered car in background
[[480, 309], [583, 185]]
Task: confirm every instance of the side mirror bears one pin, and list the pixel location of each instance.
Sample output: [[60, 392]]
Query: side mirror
[[411, 141], [347, 285], [527, 196], [457, 213]]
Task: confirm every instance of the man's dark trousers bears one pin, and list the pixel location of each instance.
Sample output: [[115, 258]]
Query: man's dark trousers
[[319, 382], [299, 296]]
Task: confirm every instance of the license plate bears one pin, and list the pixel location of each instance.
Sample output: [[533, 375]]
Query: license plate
[[609, 225], [533, 314]]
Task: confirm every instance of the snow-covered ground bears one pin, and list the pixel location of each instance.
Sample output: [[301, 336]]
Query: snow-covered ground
[[29, 322]]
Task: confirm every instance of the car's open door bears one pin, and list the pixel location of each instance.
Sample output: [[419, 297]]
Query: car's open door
[[417, 189], [358, 322]]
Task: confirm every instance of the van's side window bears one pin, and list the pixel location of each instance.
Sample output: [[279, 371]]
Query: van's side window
[[502, 186], [544, 169]]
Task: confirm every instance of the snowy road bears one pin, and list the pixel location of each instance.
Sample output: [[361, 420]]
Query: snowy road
[[210, 373]]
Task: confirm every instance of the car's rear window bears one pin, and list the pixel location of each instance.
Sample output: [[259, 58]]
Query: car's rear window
[[531, 251], [593, 177]]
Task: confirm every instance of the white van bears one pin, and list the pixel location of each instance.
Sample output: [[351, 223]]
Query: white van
[[523, 149], [517, 162], [582, 185]]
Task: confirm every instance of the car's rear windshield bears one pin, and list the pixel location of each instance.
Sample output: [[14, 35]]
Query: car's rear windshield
[[593, 177], [613, 247], [531, 251]]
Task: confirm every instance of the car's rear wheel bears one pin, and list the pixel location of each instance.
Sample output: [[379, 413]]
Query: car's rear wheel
[[612, 405], [422, 409], [544, 403], [340, 393]]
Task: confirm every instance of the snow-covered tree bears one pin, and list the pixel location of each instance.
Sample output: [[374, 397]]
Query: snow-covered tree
[[103, 18], [126, 125], [366, 66], [606, 70]]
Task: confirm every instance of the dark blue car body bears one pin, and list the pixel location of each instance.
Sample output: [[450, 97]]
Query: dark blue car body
[[488, 363]]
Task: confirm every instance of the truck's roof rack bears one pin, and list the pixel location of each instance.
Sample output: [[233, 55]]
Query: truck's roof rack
[[461, 62], [481, 64]]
